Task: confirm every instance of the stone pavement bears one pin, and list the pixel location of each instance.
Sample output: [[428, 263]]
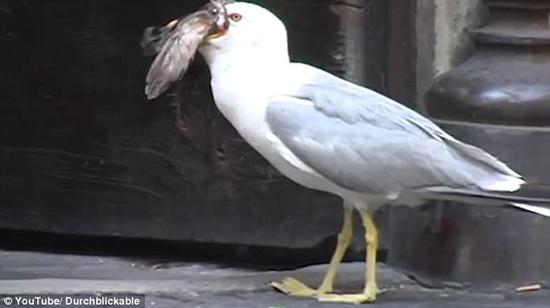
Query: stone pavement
[[169, 284]]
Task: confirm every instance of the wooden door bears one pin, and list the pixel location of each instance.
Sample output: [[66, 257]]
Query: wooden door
[[83, 152]]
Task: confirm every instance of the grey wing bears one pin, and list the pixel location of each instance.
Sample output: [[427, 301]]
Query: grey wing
[[358, 157], [338, 98], [365, 142]]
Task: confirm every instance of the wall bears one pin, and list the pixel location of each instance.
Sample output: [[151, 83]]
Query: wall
[[442, 38], [83, 152]]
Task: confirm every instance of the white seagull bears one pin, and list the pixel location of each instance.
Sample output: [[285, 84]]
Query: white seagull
[[331, 135]]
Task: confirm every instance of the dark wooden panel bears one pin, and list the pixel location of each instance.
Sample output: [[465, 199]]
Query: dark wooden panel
[[83, 152]]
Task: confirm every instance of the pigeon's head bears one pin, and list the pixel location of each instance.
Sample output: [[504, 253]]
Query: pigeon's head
[[251, 30]]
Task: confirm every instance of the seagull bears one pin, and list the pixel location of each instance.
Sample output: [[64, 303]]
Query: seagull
[[328, 134]]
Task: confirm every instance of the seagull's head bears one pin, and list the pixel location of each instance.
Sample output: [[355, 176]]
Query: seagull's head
[[251, 32]]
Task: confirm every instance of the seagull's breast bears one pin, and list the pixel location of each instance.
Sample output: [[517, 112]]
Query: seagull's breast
[[245, 105], [262, 139]]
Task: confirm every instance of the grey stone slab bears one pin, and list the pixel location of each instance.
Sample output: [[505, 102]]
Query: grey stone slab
[[270, 300], [213, 286], [24, 272]]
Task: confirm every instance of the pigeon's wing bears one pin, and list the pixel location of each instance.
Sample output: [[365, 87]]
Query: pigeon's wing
[[177, 49], [155, 37]]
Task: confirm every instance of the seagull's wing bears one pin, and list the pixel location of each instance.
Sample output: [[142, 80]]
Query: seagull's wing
[[368, 143]]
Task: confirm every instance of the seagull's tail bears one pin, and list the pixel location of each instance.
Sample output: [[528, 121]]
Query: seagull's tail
[[541, 210], [539, 206]]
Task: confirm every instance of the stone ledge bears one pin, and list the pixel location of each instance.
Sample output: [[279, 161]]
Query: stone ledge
[[211, 286]]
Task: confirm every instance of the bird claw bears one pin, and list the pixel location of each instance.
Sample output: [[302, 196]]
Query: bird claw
[[294, 287], [369, 296]]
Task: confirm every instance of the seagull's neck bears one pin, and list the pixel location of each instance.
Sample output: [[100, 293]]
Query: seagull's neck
[[247, 73], [253, 63], [242, 84]]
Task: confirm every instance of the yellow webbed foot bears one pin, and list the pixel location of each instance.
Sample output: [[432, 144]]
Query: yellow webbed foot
[[293, 287], [368, 296], [324, 293]]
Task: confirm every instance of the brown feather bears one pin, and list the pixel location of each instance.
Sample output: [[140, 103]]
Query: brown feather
[[176, 45]]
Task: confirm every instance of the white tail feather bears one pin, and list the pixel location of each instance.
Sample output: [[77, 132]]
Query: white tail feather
[[534, 209], [508, 184]]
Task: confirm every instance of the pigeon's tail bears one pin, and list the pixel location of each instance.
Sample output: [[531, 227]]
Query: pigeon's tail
[[539, 206]]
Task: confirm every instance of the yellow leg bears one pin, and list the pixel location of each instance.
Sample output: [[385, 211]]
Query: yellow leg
[[371, 290], [291, 286]]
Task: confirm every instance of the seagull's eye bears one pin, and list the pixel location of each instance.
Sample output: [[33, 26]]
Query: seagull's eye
[[236, 17]]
